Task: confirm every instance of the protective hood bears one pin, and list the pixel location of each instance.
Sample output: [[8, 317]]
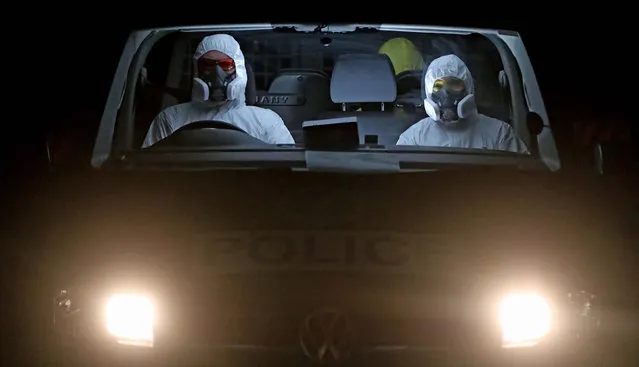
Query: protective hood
[[228, 45], [403, 54], [449, 66]]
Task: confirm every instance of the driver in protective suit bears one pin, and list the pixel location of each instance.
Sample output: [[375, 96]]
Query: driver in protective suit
[[219, 86], [453, 120]]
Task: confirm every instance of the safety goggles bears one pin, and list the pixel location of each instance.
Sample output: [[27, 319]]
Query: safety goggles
[[450, 83], [206, 66]]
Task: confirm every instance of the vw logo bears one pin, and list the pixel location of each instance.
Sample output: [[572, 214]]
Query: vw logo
[[327, 336]]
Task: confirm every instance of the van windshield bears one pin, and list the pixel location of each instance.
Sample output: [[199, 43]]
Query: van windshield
[[286, 88]]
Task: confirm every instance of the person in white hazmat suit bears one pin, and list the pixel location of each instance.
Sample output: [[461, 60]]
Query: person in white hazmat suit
[[219, 87], [453, 120]]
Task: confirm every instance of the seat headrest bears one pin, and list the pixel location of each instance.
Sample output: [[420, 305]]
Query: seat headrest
[[363, 78], [409, 81], [319, 73]]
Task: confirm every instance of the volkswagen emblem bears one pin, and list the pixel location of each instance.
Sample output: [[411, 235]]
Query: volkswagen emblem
[[327, 336]]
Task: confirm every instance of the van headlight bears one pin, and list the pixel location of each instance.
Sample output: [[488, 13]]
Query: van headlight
[[525, 320], [129, 318]]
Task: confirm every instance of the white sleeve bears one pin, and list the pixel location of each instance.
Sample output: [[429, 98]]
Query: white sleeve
[[276, 131], [160, 129], [509, 141], [409, 136]]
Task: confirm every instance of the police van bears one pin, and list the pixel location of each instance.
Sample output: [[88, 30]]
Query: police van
[[304, 194]]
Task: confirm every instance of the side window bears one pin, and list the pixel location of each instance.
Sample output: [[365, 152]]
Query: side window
[[491, 86], [151, 87]]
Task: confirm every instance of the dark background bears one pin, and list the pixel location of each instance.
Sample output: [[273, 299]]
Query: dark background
[[64, 63]]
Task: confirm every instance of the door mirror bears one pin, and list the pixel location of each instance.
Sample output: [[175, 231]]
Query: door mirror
[[611, 159], [69, 149], [535, 125], [602, 148], [64, 153]]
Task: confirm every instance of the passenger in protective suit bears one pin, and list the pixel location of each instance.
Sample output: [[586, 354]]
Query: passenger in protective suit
[[403, 54], [219, 94], [453, 120]]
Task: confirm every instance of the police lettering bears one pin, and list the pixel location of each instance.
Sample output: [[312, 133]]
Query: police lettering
[[282, 249], [272, 249], [220, 249], [386, 251]]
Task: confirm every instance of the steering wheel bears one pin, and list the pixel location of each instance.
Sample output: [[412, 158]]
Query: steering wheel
[[209, 124], [209, 133]]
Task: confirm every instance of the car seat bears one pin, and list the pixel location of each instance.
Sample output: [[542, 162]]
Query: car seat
[[297, 95], [352, 84]]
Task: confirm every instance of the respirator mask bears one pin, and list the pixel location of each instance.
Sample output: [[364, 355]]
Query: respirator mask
[[212, 80], [449, 101]]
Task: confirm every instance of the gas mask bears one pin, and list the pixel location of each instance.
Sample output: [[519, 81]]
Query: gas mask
[[212, 80], [449, 101]]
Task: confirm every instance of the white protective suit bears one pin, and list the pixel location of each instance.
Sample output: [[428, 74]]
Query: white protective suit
[[260, 123], [472, 130]]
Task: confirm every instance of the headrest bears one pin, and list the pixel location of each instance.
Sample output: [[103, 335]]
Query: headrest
[[319, 73], [363, 78], [408, 81]]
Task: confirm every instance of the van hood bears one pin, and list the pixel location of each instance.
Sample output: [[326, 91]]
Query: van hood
[[274, 221], [264, 249]]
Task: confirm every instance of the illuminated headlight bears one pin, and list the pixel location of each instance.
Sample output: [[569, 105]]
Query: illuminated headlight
[[129, 318], [525, 320]]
